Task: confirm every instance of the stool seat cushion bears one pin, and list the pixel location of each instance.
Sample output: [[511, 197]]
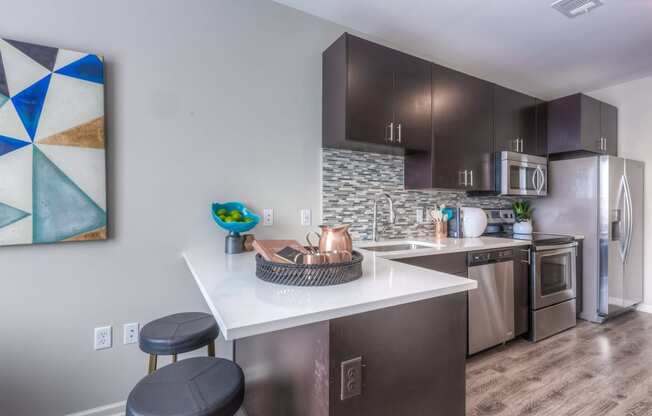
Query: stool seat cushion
[[201, 386], [178, 333]]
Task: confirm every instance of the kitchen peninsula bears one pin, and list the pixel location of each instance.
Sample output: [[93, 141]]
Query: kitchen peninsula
[[398, 333]]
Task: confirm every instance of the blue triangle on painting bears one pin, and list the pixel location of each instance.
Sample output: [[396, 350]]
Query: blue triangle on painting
[[9, 215], [29, 104], [60, 209], [7, 144], [89, 68]]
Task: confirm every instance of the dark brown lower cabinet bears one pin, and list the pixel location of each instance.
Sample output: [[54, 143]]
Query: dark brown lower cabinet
[[413, 363]]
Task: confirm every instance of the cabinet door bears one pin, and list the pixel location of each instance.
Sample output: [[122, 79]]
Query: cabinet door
[[370, 86], [447, 263], [542, 129], [412, 102], [591, 130], [514, 119], [609, 127], [462, 126]]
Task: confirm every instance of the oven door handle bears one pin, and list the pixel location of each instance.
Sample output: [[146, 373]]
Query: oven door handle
[[556, 247]]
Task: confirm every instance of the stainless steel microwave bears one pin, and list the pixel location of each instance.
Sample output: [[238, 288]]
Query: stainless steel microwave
[[521, 174]]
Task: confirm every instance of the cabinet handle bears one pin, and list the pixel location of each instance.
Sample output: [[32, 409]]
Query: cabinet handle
[[605, 144], [529, 256], [471, 173], [462, 174], [522, 142], [399, 132], [391, 131], [602, 144]]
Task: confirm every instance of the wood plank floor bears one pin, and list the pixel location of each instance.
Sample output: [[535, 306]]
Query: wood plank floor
[[591, 370]]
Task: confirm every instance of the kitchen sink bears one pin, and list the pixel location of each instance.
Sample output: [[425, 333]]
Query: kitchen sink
[[399, 247]]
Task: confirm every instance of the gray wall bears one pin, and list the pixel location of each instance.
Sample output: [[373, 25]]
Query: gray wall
[[207, 100]]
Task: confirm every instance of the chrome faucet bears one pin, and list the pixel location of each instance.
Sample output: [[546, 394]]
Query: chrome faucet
[[392, 214]]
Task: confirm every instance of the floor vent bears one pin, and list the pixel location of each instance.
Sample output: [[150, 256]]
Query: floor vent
[[574, 8]]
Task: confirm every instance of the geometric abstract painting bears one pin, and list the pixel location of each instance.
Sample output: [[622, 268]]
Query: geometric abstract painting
[[52, 145]]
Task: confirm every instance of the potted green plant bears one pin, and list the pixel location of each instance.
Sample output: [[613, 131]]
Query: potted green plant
[[523, 212]]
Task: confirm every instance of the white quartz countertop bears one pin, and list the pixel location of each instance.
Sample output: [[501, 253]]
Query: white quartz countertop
[[244, 305]]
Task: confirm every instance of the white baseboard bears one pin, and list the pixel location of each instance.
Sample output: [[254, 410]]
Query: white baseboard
[[644, 308], [117, 409], [113, 409]]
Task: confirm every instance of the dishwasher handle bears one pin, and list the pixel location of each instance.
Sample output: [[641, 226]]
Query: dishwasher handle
[[480, 258]]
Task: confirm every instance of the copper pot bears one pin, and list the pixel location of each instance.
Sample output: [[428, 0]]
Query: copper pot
[[335, 239]]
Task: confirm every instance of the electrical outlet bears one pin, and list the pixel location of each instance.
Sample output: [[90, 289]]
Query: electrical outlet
[[130, 333], [103, 337], [419, 215], [351, 385], [306, 217], [268, 216]]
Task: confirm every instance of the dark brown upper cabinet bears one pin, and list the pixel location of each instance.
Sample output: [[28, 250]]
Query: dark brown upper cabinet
[[542, 128], [462, 126], [375, 98], [609, 127], [580, 124], [515, 121]]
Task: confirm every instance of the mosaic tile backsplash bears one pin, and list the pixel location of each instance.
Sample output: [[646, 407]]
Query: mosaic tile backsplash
[[351, 180]]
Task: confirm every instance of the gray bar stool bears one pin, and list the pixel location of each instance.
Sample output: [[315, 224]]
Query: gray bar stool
[[176, 334], [200, 386]]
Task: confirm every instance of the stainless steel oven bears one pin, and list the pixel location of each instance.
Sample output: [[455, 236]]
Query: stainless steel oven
[[521, 174], [553, 288]]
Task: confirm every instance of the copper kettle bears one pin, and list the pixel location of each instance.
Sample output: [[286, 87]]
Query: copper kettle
[[335, 239]]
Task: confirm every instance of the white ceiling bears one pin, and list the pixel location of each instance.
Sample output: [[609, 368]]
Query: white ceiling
[[522, 44]]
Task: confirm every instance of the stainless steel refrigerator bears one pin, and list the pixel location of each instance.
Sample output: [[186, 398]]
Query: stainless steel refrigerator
[[600, 197]]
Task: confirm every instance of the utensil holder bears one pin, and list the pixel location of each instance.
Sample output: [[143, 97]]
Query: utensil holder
[[441, 230]]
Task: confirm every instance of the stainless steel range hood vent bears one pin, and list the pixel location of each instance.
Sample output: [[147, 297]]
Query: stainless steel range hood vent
[[574, 8]]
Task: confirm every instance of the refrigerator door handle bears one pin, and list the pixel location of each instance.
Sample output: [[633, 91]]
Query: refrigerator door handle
[[619, 223], [628, 223]]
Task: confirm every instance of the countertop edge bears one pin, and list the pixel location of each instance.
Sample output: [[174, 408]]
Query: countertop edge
[[220, 323], [327, 315]]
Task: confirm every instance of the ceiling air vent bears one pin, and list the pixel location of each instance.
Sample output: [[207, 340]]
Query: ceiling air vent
[[574, 8]]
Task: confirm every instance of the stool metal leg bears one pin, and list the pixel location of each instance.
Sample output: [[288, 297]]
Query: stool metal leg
[[211, 349], [174, 358], [152, 363]]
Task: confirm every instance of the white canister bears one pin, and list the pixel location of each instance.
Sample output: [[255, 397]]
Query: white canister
[[474, 222], [523, 227]]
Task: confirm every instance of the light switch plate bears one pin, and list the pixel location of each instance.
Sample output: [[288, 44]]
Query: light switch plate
[[306, 217], [351, 383], [419, 215], [268, 216]]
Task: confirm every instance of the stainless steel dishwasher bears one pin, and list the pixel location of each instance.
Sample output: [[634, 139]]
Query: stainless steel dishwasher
[[491, 305]]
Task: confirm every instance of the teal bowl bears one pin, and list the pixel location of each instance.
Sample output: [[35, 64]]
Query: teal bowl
[[234, 227]]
